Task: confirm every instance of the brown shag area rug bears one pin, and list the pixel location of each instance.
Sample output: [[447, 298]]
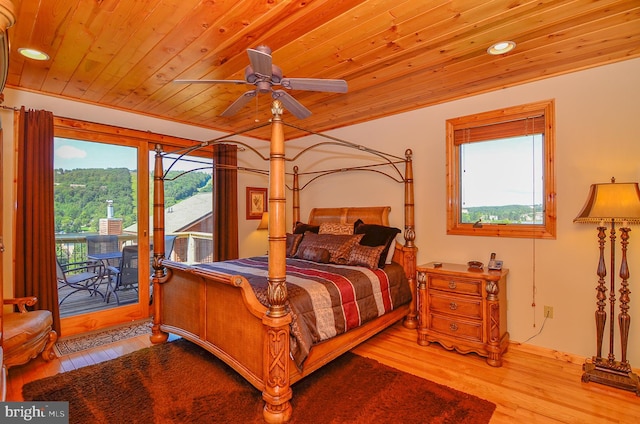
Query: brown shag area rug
[[179, 382]]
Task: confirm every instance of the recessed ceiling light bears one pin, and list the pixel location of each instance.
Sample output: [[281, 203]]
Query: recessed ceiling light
[[33, 54], [501, 47]]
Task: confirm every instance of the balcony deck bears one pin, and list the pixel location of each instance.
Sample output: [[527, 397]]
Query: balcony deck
[[189, 247], [82, 302]]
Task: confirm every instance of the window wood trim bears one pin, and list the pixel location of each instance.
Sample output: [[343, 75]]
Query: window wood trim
[[544, 109], [76, 129]]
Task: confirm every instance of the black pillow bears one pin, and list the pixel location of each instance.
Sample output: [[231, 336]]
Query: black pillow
[[377, 235], [302, 228]]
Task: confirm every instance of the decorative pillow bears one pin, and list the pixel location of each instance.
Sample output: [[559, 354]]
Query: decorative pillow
[[315, 254], [293, 241], [365, 256], [301, 228], [338, 246], [378, 235], [335, 228]]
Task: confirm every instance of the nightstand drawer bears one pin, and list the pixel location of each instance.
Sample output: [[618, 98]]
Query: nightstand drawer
[[468, 307], [456, 285], [456, 328]]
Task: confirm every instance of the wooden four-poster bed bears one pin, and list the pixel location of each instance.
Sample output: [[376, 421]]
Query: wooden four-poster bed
[[258, 331]]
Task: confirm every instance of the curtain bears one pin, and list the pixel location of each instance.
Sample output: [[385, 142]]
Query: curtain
[[35, 273], [225, 202]]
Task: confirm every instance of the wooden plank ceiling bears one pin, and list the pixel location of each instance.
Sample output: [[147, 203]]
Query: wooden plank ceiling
[[395, 55]]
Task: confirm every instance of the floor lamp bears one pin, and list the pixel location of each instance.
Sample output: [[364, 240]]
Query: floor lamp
[[610, 204]]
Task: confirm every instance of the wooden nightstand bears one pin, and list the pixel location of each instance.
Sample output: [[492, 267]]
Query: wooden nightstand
[[463, 309]]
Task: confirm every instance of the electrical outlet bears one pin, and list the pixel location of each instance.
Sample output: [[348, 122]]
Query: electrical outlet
[[548, 311]]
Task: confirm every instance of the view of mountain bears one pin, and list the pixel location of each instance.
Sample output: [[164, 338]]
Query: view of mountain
[[81, 195], [509, 214]]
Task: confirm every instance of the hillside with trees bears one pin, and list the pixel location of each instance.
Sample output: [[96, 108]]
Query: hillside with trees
[[81, 195], [509, 214]]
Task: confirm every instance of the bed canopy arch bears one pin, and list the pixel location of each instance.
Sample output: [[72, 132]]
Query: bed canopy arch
[[389, 165], [269, 366]]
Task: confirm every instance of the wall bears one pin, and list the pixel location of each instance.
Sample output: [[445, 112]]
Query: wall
[[597, 138]]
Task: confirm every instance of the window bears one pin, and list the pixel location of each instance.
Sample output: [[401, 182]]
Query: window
[[500, 174]]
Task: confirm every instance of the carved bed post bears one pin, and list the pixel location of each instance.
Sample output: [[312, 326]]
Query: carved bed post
[[277, 390], [296, 196], [411, 320], [158, 276]]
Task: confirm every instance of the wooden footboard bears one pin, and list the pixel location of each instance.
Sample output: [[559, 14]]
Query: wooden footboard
[[218, 312], [222, 314]]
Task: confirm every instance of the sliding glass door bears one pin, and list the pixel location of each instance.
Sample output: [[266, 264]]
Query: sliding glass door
[[103, 258]]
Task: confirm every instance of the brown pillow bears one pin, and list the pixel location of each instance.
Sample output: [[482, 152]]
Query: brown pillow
[[293, 241], [365, 256], [335, 228], [338, 246], [315, 254]]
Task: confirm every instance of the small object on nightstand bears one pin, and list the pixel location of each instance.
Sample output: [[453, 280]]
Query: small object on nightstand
[[475, 265], [497, 266], [494, 264], [437, 264]]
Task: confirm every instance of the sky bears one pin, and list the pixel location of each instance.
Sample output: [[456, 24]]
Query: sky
[[501, 172], [74, 154]]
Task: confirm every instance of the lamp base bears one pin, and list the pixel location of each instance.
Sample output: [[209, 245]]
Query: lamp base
[[611, 373]]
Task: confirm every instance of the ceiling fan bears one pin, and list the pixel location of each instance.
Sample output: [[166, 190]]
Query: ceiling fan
[[265, 75]]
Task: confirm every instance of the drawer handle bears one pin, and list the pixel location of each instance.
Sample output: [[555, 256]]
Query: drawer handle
[[453, 326], [452, 285], [453, 306]]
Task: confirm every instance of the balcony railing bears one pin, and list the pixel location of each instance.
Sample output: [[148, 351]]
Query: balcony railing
[[189, 247]]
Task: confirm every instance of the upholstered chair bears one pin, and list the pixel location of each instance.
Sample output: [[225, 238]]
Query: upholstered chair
[[27, 334]]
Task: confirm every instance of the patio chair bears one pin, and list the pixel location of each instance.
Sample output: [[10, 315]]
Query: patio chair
[[169, 241], [125, 275], [80, 276], [101, 244]]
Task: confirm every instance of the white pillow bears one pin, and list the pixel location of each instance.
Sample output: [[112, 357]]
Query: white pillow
[[392, 249]]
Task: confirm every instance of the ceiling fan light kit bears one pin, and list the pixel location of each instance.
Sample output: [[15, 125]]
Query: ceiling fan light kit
[[264, 75]]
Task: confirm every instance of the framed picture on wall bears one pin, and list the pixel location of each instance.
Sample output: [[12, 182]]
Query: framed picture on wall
[[257, 202]]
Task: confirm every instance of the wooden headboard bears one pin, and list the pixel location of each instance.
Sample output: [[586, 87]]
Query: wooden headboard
[[369, 215]]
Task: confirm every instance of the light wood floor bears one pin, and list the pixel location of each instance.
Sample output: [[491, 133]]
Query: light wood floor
[[530, 387]]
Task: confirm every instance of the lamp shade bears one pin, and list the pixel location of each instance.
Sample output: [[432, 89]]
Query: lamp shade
[[264, 221], [619, 202]]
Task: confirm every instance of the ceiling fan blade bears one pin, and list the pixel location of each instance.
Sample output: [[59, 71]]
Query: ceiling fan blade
[[208, 81], [260, 62], [291, 104], [239, 103], [315, 84]]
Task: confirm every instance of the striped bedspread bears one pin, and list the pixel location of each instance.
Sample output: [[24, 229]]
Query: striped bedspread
[[325, 300]]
